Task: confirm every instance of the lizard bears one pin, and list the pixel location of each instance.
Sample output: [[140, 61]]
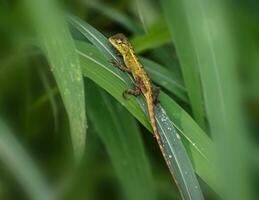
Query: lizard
[[142, 82], [134, 67]]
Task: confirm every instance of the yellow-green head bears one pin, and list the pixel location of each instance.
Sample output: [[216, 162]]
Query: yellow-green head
[[121, 43]]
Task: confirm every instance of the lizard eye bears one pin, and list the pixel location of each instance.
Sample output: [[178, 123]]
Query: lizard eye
[[119, 42]]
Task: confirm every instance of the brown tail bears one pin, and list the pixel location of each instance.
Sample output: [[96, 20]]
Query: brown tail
[[151, 112]]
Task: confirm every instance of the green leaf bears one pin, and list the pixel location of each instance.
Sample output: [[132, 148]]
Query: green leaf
[[20, 164], [188, 60], [51, 96], [121, 137], [147, 12], [204, 37], [157, 35], [197, 143], [179, 161], [59, 48], [116, 16], [165, 78], [166, 56]]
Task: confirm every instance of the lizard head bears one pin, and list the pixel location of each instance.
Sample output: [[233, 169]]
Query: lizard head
[[120, 42]]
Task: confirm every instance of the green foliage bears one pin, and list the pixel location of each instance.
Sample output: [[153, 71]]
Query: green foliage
[[59, 48], [106, 75], [189, 61], [56, 68], [216, 66], [121, 137], [178, 160], [157, 35], [21, 166]]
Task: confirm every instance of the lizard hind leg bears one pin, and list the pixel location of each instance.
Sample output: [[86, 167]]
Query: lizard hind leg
[[135, 92], [155, 94]]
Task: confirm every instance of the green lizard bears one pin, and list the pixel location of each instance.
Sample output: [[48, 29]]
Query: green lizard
[[142, 82], [133, 66]]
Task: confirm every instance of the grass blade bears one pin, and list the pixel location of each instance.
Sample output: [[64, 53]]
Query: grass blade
[[59, 48], [116, 16], [188, 60], [187, 182], [205, 27], [51, 98], [146, 11], [166, 56], [157, 35], [18, 162], [118, 131], [165, 78]]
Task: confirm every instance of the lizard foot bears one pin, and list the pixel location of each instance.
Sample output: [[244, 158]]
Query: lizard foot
[[120, 66], [135, 92]]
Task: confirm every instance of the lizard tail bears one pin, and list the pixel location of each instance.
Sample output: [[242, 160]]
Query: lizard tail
[[151, 112], [152, 118]]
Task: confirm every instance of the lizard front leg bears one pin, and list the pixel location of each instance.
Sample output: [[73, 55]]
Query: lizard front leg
[[135, 92], [121, 67]]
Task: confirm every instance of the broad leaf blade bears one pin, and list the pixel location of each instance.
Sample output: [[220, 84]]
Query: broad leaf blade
[[165, 78], [189, 67], [20, 164], [116, 16], [118, 131], [208, 39], [157, 35], [59, 48], [146, 12]]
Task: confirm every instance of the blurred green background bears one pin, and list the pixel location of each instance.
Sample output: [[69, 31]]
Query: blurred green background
[[36, 150]]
